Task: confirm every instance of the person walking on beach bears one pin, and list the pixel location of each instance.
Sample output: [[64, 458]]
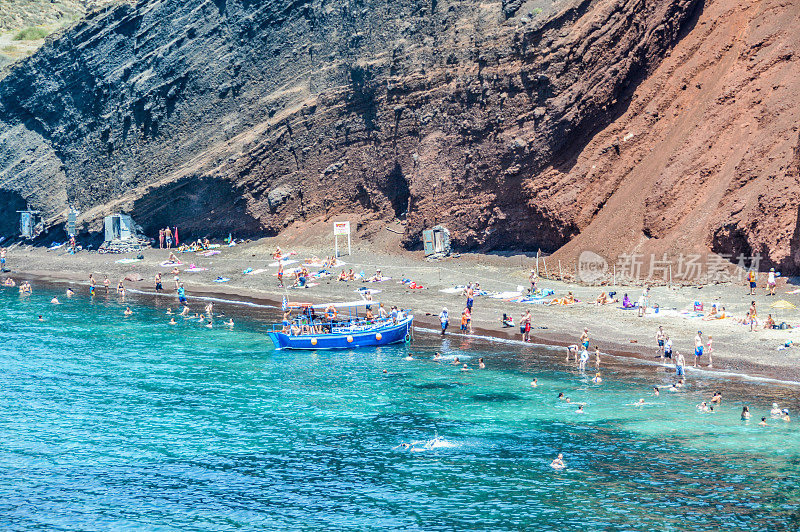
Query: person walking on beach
[[698, 347], [168, 237], [3, 252], [660, 338], [643, 302], [533, 278], [280, 274], [526, 322], [470, 297], [771, 281], [667, 347], [159, 286], [444, 319], [710, 351], [680, 362], [752, 277], [751, 316]]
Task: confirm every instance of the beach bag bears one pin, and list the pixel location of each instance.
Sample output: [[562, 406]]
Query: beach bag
[[522, 329]]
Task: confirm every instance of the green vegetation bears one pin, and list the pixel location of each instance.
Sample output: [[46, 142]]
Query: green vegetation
[[31, 33], [9, 48], [537, 11]]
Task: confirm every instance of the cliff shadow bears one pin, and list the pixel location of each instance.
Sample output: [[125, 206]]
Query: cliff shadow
[[200, 206], [10, 203]]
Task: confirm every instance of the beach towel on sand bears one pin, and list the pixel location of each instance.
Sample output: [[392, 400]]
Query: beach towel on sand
[[221, 280]]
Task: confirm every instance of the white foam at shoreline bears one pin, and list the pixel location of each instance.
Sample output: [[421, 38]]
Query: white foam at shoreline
[[710, 373]]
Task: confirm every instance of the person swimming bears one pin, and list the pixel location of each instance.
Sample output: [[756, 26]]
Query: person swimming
[[456, 361], [465, 368], [655, 391], [128, 312], [775, 410], [597, 378], [639, 403], [745, 413], [409, 357], [580, 410], [437, 355], [481, 364], [229, 323], [703, 407], [567, 400], [169, 312], [55, 301], [70, 292], [209, 325], [558, 463], [535, 383], [785, 415], [717, 398], [41, 318], [172, 321], [763, 422]]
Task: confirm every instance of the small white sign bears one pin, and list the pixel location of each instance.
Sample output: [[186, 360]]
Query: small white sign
[[341, 228]]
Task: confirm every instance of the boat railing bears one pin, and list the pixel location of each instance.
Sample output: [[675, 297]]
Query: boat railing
[[335, 327]]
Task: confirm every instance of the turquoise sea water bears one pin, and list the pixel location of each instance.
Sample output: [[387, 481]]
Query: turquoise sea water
[[112, 423]]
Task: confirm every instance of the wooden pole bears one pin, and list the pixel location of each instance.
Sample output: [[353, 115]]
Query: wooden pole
[[614, 278], [560, 274], [544, 260], [537, 261]]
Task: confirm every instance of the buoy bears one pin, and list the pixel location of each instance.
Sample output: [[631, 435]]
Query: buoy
[[313, 341], [378, 337], [349, 339]]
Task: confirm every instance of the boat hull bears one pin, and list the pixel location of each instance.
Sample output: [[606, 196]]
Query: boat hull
[[346, 339]]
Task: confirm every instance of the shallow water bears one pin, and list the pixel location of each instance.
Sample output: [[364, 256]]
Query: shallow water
[[110, 422]]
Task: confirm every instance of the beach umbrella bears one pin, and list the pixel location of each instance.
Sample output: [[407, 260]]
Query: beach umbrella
[[783, 304]]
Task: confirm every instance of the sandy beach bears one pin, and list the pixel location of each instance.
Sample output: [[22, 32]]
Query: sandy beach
[[614, 330]]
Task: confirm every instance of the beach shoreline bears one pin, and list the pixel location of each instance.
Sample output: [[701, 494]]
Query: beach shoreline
[[552, 333]]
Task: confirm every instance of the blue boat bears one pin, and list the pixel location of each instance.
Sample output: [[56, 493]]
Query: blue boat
[[320, 327]]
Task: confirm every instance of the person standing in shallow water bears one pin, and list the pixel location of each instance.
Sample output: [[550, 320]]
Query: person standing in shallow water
[[526, 322], [444, 319]]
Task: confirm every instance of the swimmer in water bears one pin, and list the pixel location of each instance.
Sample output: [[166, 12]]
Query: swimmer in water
[[169, 312], [456, 362], [655, 391], [673, 388], [172, 321], [55, 301], [437, 355], [597, 378], [763, 422], [465, 368], [409, 357], [185, 312], [534, 383], [580, 410], [567, 399], [70, 292], [745, 413], [558, 463], [481, 365], [717, 398], [639, 403], [41, 318], [785, 415], [209, 325], [560, 396], [128, 312], [703, 407], [229, 323], [775, 410]]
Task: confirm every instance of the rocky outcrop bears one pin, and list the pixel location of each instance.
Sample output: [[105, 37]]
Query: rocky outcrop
[[256, 117]]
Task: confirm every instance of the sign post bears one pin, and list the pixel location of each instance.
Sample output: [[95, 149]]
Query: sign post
[[341, 228]]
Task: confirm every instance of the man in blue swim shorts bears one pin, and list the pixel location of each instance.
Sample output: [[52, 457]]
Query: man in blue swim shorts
[[698, 347]]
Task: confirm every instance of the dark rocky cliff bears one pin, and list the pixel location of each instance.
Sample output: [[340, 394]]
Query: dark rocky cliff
[[250, 116]]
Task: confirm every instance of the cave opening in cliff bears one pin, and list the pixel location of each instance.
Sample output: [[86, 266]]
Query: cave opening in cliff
[[10, 203], [397, 191]]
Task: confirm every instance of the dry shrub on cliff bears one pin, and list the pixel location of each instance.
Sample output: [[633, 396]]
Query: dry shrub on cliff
[[31, 33]]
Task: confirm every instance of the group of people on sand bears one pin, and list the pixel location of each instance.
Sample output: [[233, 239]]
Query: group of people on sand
[[664, 350], [166, 238]]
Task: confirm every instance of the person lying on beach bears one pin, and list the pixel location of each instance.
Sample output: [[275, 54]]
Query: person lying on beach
[[558, 463], [605, 299], [770, 323], [376, 278], [507, 320], [342, 276], [712, 314], [173, 259], [568, 299]]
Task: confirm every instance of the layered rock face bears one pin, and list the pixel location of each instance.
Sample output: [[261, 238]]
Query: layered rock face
[[501, 120]]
